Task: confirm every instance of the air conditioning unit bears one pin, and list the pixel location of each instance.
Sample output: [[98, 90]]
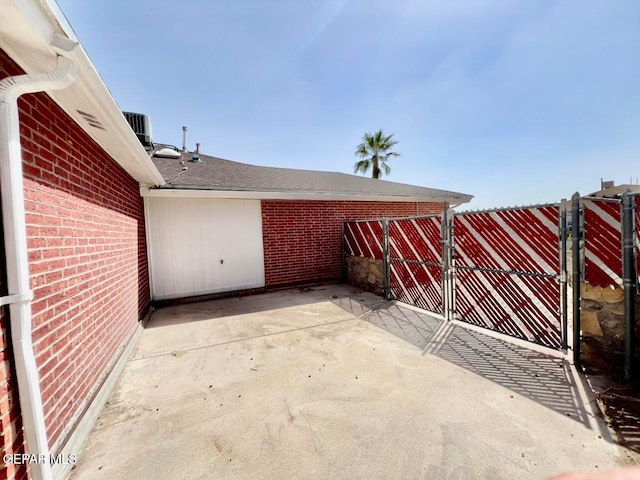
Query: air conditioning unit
[[141, 125]]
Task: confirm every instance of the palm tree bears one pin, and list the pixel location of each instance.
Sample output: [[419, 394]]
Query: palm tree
[[374, 153]]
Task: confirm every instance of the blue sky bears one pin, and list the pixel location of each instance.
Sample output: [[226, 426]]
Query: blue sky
[[513, 101]]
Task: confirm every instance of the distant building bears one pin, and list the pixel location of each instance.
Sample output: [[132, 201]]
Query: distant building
[[609, 189]]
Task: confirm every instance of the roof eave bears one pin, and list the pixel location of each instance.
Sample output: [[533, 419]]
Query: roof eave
[[190, 191], [26, 37]]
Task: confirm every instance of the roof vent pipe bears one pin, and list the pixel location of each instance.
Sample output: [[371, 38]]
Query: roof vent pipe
[[184, 139], [195, 157]]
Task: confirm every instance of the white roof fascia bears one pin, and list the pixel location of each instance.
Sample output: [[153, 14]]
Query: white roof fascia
[[26, 35], [257, 195]]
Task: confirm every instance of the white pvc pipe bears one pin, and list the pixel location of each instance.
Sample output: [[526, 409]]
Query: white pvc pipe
[[15, 240]]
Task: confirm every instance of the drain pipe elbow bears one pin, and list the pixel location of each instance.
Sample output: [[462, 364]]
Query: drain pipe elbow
[[16, 250], [63, 76]]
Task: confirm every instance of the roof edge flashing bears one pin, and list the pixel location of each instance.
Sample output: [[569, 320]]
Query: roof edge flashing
[[178, 191]]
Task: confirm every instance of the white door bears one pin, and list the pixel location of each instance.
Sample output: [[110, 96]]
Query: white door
[[202, 245]]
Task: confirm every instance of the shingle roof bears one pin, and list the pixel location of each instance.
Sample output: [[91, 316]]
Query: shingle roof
[[218, 174], [616, 191]]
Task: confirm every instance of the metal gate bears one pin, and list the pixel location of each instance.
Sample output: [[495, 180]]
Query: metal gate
[[416, 265], [498, 269], [507, 271]]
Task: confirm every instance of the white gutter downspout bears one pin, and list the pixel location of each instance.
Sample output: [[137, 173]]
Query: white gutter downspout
[[15, 240]]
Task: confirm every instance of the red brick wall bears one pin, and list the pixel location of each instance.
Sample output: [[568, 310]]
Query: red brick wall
[[87, 255], [302, 239]]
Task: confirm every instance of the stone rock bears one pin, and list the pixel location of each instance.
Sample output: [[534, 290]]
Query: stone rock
[[590, 324], [596, 351], [366, 273], [353, 266], [617, 308], [607, 295], [590, 354], [611, 324], [590, 305], [376, 268]]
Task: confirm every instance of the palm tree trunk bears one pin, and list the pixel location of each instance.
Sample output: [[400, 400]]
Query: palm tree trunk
[[375, 171]]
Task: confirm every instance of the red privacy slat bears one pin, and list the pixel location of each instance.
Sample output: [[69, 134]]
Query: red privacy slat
[[413, 241], [539, 231], [521, 240], [602, 233], [497, 301], [416, 239], [363, 239], [416, 284]]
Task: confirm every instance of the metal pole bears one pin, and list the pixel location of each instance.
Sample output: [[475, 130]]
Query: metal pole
[[444, 266], [386, 268], [344, 257], [452, 267], [184, 139], [563, 273], [629, 284], [575, 245]]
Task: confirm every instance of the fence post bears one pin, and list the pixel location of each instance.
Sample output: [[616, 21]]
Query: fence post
[[344, 256], [446, 281], [563, 272], [386, 268], [451, 237], [575, 243], [629, 284]]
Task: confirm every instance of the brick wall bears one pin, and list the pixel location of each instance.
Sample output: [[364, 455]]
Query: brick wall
[[87, 255], [302, 239]]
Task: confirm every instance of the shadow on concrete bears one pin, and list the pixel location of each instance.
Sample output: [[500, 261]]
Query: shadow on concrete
[[543, 378], [351, 299], [532, 372], [622, 412]]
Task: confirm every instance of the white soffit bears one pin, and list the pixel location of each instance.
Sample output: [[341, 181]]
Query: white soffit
[[26, 30]]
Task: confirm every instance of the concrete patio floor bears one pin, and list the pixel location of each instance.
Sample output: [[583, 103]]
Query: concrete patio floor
[[333, 382]]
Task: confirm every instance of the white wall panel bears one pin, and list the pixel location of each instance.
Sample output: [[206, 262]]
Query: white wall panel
[[199, 245]]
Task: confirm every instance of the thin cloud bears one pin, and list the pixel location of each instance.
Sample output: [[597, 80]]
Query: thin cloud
[[296, 47], [513, 101]]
